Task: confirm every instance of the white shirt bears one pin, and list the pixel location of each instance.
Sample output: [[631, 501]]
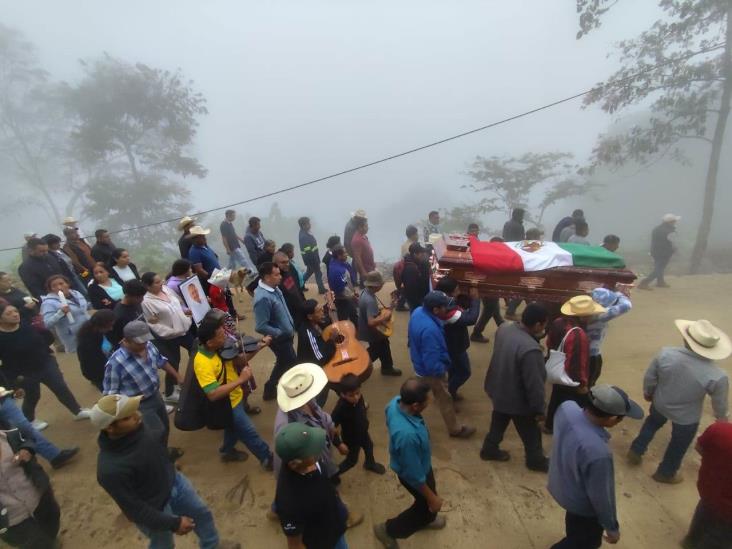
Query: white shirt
[[125, 273]]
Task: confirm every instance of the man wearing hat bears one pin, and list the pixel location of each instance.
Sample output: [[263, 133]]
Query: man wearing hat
[[134, 469], [184, 242], [616, 304], [675, 384], [581, 474], [310, 512], [430, 357], [203, 259], [133, 370], [371, 316], [569, 332], [215, 372], [661, 250]]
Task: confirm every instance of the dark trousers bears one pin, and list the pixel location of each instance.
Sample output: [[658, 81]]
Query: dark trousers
[[708, 531], [659, 267], [415, 517], [346, 310], [459, 372], [155, 417], [560, 394], [230, 303], [580, 533], [380, 349], [354, 448], [595, 369], [527, 429], [513, 304], [285, 358], [314, 269], [170, 349], [491, 309], [38, 531], [681, 438], [50, 375]]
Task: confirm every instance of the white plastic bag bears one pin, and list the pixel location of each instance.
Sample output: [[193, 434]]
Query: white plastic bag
[[555, 372]]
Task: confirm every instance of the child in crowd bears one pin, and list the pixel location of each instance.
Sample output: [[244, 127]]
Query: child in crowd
[[350, 414]]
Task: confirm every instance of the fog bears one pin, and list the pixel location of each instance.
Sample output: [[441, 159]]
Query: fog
[[299, 90]]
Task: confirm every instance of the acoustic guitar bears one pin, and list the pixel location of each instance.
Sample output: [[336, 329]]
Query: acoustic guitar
[[386, 328], [350, 357]]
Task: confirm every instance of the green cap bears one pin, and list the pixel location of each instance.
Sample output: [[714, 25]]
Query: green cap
[[299, 441]]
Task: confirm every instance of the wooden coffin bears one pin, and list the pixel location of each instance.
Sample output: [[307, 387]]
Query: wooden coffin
[[452, 258]]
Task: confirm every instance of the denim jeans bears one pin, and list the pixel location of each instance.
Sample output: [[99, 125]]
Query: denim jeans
[[238, 258], [314, 269], [285, 358], [459, 372], [659, 267], [11, 415], [242, 429], [184, 501], [681, 438]]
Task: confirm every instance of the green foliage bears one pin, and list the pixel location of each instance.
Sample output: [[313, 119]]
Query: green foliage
[[510, 182], [133, 127], [457, 219], [688, 91]]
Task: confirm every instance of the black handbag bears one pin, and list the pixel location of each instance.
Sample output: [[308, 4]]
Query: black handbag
[[195, 411]]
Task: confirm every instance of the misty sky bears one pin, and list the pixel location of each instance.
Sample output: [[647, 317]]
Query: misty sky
[[297, 90]]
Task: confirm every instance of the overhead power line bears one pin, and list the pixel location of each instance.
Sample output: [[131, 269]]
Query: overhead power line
[[422, 147]]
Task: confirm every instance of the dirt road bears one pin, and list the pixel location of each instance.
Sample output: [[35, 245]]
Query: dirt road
[[487, 504]]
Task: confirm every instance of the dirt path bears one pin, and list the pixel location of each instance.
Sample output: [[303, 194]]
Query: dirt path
[[488, 504]]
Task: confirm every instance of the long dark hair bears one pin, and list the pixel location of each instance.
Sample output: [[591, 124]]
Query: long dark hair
[[94, 325]]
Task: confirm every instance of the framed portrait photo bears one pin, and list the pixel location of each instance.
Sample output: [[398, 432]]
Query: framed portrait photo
[[195, 298]]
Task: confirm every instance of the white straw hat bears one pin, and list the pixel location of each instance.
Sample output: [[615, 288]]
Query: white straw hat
[[197, 230], [705, 339], [670, 218], [299, 385], [582, 305], [185, 221]]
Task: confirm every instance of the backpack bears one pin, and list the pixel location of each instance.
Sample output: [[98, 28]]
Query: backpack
[[195, 411]]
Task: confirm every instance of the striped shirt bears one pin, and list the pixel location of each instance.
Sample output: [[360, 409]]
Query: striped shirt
[[132, 375]]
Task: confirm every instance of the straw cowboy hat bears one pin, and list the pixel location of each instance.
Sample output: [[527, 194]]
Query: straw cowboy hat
[[185, 221], [670, 218], [705, 339], [359, 213], [582, 305], [69, 221], [299, 385], [197, 230]]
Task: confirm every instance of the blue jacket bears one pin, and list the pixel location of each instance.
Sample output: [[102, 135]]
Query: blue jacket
[[338, 273], [427, 346], [271, 316], [409, 445]]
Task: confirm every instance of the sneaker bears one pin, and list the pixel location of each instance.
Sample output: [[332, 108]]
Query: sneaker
[[377, 468], [386, 540], [234, 455], [39, 424], [173, 397], [464, 432], [64, 457], [495, 455], [354, 519], [437, 524], [169, 408], [676, 479], [479, 338], [633, 457], [542, 465], [391, 372], [84, 413]]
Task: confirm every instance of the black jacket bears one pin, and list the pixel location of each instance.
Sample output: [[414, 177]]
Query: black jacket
[[17, 299], [103, 252], [513, 231], [97, 295], [34, 272], [311, 347], [456, 334], [121, 282], [136, 471], [416, 281], [294, 298], [353, 421], [91, 358], [184, 245], [661, 246]]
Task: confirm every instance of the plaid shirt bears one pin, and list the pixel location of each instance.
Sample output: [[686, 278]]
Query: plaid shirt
[[131, 375]]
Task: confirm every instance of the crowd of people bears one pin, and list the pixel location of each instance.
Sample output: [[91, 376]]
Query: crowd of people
[[126, 327]]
